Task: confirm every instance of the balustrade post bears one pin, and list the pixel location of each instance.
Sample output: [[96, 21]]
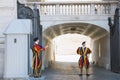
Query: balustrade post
[[57, 9], [40, 9], [112, 8], [92, 8]]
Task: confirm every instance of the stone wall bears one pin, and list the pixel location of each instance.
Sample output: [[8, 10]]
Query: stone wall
[[8, 13], [1, 60], [101, 54]]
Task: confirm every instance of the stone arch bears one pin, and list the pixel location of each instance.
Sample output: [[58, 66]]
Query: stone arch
[[99, 35], [91, 30]]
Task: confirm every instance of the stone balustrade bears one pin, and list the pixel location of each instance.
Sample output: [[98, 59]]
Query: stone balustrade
[[76, 8]]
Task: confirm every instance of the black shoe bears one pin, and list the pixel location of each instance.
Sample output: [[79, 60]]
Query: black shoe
[[87, 74], [39, 75], [80, 74], [35, 76]]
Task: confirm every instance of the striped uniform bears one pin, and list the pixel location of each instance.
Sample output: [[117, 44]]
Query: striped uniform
[[83, 58], [37, 61]]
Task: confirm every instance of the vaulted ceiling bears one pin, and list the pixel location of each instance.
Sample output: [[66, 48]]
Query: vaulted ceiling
[[93, 31]]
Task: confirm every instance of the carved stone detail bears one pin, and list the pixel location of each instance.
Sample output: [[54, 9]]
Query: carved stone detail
[[24, 12], [114, 24]]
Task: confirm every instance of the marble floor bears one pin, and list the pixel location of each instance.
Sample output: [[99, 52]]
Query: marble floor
[[70, 71]]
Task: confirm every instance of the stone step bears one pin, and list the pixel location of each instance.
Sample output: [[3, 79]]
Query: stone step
[[39, 78], [29, 78]]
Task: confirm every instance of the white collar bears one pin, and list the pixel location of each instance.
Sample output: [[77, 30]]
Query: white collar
[[84, 47], [36, 42]]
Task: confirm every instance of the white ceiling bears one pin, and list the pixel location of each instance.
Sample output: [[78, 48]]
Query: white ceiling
[[93, 31]]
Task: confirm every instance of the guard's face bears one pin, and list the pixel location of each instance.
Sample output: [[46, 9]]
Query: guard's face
[[84, 45], [38, 41]]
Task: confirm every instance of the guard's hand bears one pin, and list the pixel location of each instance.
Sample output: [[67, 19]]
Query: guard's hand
[[46, 46]]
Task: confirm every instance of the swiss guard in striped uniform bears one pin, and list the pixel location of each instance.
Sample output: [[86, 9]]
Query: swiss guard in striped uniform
[[83, 60], [37, 60]]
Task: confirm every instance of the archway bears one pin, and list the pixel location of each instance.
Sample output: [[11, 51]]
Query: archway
[[99, 36]]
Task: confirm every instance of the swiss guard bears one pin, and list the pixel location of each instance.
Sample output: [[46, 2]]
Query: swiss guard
[[37, 57], [83, 60]]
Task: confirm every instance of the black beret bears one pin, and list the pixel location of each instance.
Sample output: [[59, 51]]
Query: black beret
[[35, 39], [83, 42]]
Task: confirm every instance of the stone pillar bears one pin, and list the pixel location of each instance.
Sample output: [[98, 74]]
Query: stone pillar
[[37, 27], [115, 40], [35, 21]]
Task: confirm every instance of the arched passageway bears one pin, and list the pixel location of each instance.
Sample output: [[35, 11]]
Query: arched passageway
[[99, 39]]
